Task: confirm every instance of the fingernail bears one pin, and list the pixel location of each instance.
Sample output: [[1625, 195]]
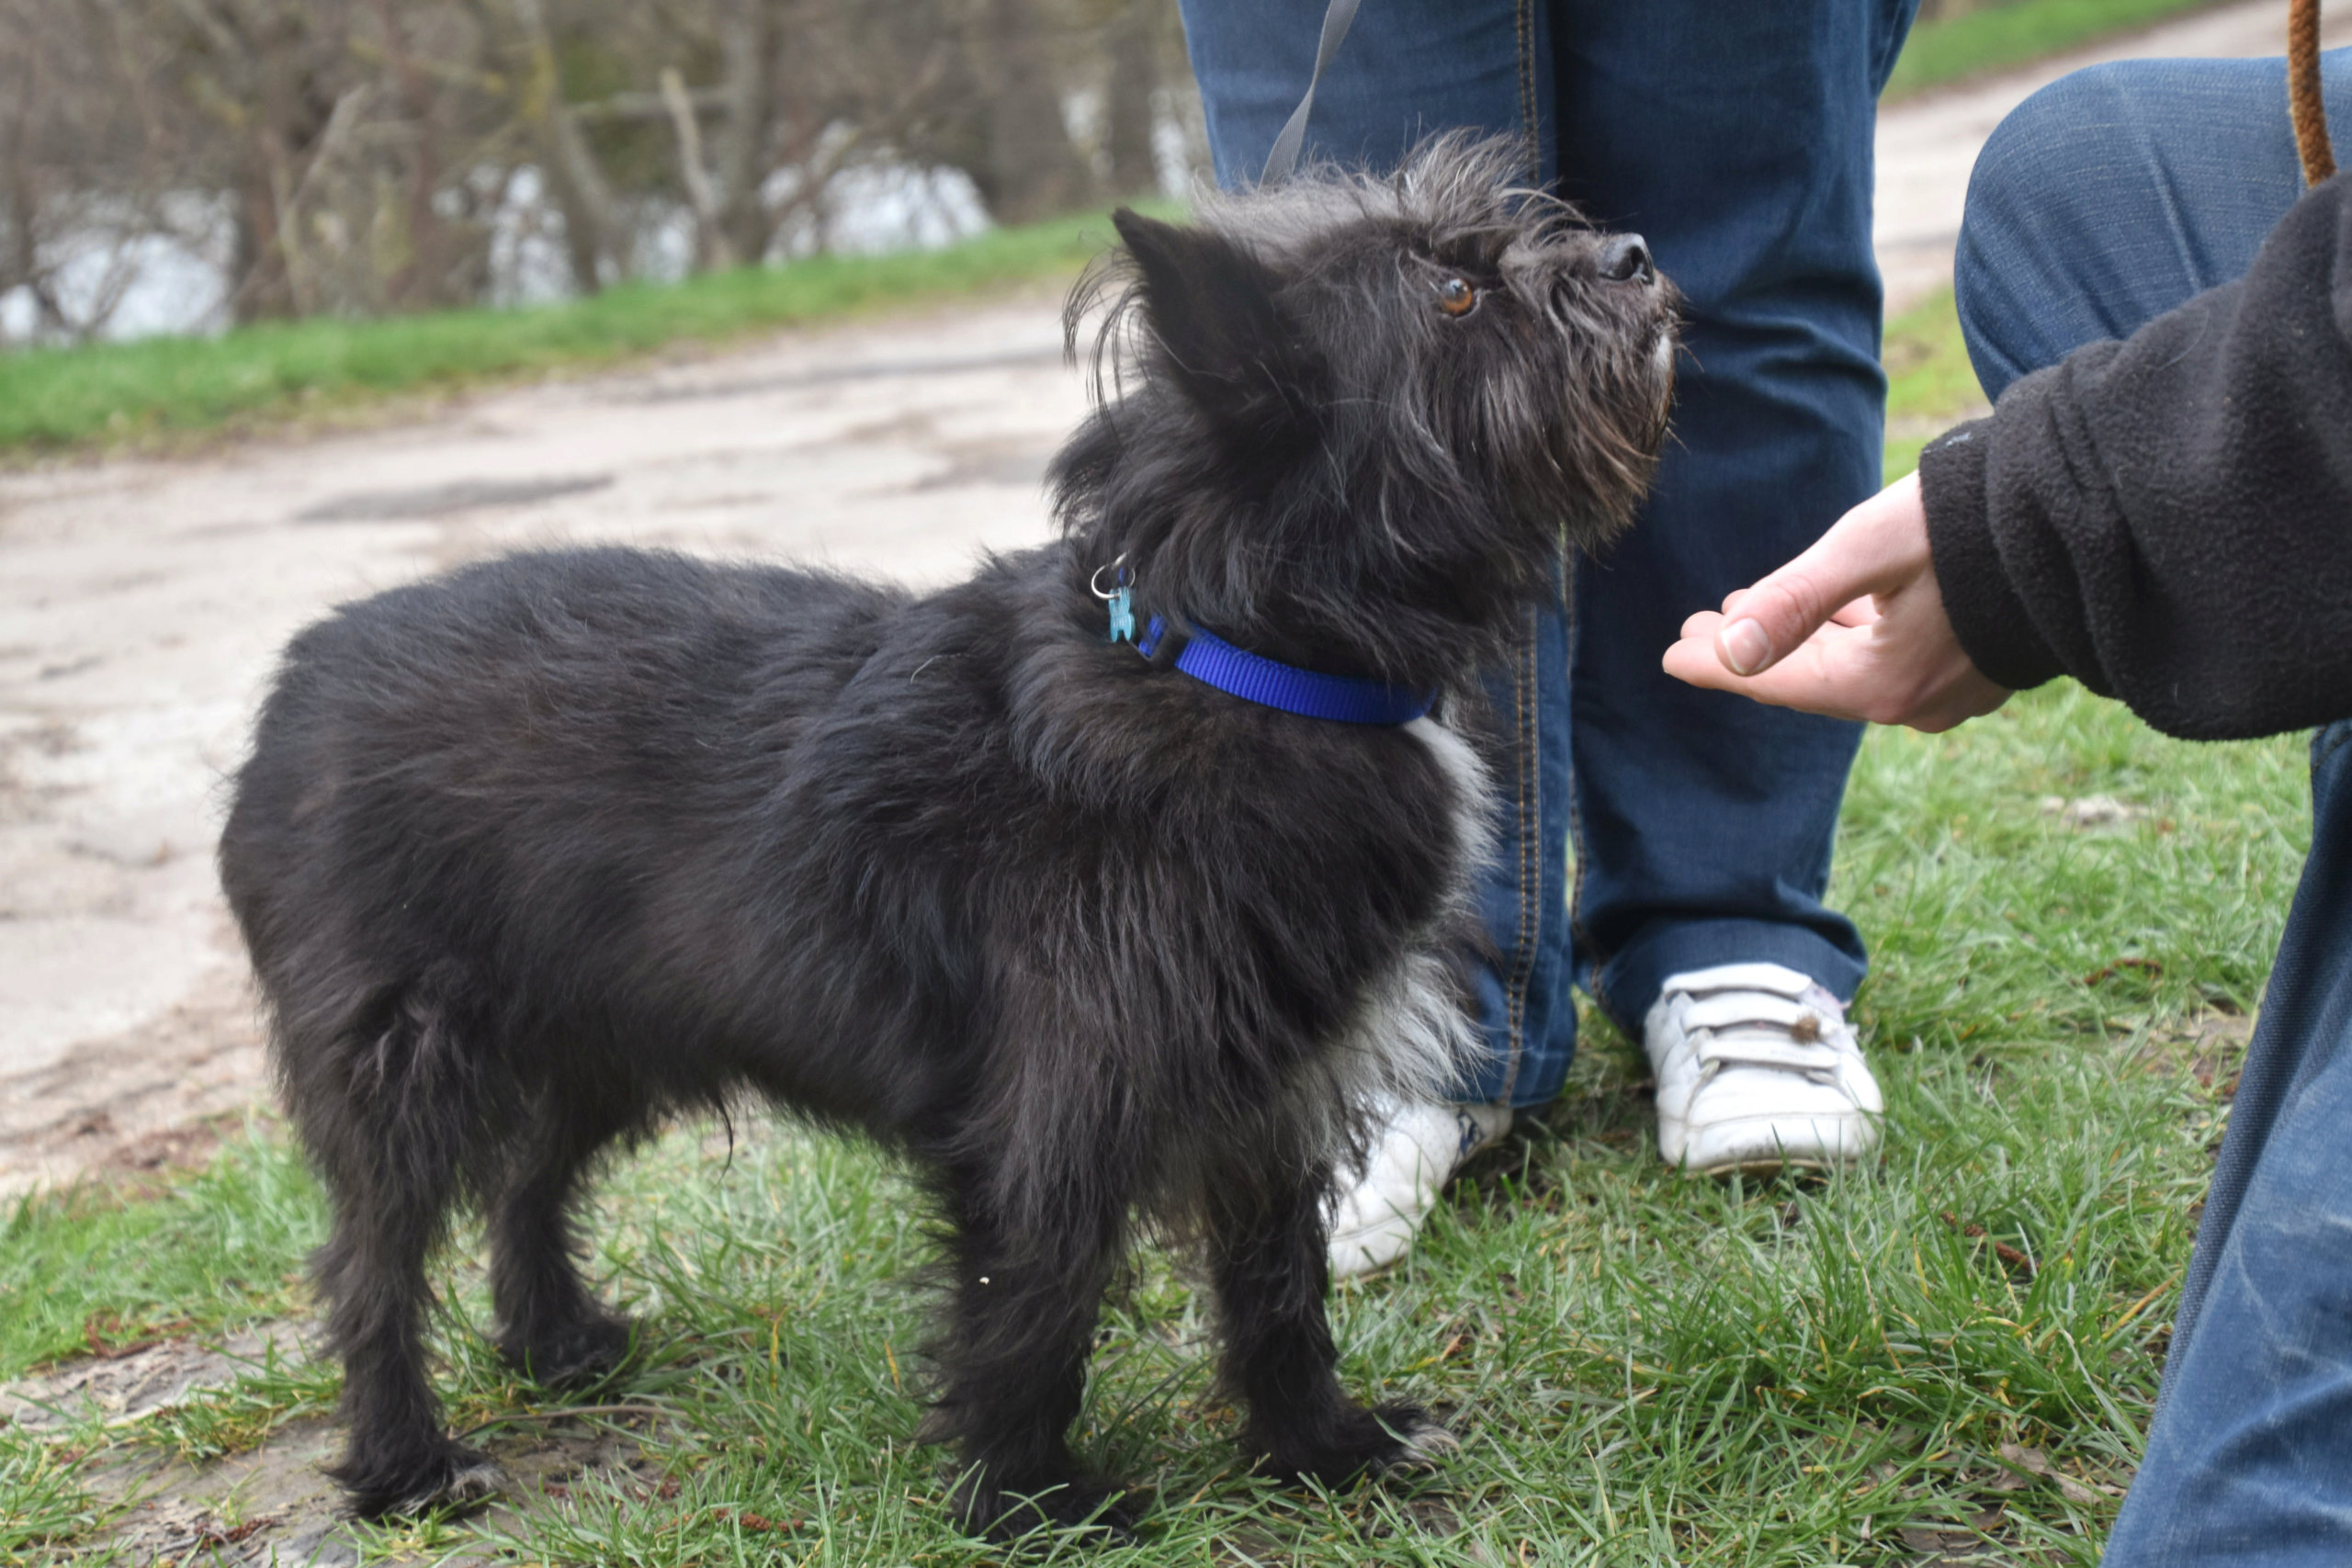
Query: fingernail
[[1745, 647]]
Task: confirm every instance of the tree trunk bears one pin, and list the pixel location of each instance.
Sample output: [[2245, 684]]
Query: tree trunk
[[741, 149], [583, 194], [1127, 117], [419, 281], [1031, 169]]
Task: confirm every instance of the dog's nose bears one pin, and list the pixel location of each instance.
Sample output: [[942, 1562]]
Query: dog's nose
[[1625, 259]]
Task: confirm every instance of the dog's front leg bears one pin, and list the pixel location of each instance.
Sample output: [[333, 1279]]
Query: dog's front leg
[[1026, 1297], [1270, 1247]]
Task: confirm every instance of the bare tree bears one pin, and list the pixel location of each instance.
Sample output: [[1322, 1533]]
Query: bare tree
[[82, 175], [360, 157], [1029, 168], [1130, 98]]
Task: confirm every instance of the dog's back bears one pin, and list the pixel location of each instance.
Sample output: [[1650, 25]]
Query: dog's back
[[477, 793]]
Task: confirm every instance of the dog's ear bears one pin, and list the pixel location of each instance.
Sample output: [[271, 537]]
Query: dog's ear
[[1227, 340]]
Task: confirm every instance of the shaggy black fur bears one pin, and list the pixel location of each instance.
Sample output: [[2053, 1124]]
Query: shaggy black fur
[[536, 854]]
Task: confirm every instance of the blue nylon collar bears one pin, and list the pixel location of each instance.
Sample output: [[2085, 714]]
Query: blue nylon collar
[[1346, 699]]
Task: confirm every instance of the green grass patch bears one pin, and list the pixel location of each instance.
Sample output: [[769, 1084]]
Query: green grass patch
[[81, 1271], [1930, 384], [54, 399], [2004, 35], [41, 1501], [1957, 1345]]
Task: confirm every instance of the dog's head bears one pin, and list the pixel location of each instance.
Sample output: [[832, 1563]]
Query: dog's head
[[1347, 414]]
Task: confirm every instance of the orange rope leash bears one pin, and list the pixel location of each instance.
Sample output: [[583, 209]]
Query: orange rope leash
[[2302, 90]]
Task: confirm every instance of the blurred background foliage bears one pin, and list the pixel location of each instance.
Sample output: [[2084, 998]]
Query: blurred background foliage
[[193, 164]]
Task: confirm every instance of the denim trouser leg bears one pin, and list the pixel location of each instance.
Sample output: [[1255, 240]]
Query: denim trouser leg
[[2115, 193], [1738, 140], [2249, 1459], [2104, 201]]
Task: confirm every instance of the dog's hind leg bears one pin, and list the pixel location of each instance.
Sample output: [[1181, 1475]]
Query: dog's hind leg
[[551, 1327], [1269, 1248], [387, 1121]]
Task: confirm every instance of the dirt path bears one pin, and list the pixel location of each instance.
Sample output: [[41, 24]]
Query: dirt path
[[140, 604]]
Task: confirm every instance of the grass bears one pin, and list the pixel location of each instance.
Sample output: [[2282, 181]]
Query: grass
[[1645, 1368], [2015, 34], [1930, 384], [159, 389], [82, 1272], [41, 1500]]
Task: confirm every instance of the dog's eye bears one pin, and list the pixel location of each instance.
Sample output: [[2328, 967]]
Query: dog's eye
[[1456, 296]]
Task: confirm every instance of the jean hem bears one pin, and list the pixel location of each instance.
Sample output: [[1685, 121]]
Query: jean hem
[[1633, 979]]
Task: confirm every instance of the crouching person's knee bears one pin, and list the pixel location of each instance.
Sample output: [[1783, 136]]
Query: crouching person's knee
[[2116, 193]]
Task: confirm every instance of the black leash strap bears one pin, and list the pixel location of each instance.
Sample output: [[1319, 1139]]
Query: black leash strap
[[1336, 18]]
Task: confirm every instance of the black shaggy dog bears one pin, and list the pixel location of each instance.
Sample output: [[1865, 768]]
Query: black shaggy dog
[[536, 854]]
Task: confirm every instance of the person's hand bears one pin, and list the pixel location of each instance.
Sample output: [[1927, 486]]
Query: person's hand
[[1854, 627]]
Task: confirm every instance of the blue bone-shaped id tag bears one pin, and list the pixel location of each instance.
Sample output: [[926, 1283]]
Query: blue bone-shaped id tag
[[1118, 598]]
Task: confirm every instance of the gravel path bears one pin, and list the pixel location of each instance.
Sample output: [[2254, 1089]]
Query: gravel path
[[140, 603]]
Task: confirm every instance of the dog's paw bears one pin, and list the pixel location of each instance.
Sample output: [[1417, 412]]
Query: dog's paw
[[1092, 1508], [452, 1478], [577, 1354], [1355, 1442], [1421, 1442]]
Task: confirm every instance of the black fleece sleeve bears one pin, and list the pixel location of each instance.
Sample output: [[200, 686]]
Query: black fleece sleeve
[[2169, 519]]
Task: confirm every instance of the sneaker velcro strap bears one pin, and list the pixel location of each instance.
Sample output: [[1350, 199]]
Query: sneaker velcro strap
[[1776, 979], [1745, 1050], [1730, 1008]]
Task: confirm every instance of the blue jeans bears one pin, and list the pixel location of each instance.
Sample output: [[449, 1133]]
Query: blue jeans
[[2106, 198], [1738, 140]]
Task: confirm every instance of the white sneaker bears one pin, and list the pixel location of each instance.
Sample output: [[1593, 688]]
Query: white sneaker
[[1756, 1069], [1412, 1158]]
